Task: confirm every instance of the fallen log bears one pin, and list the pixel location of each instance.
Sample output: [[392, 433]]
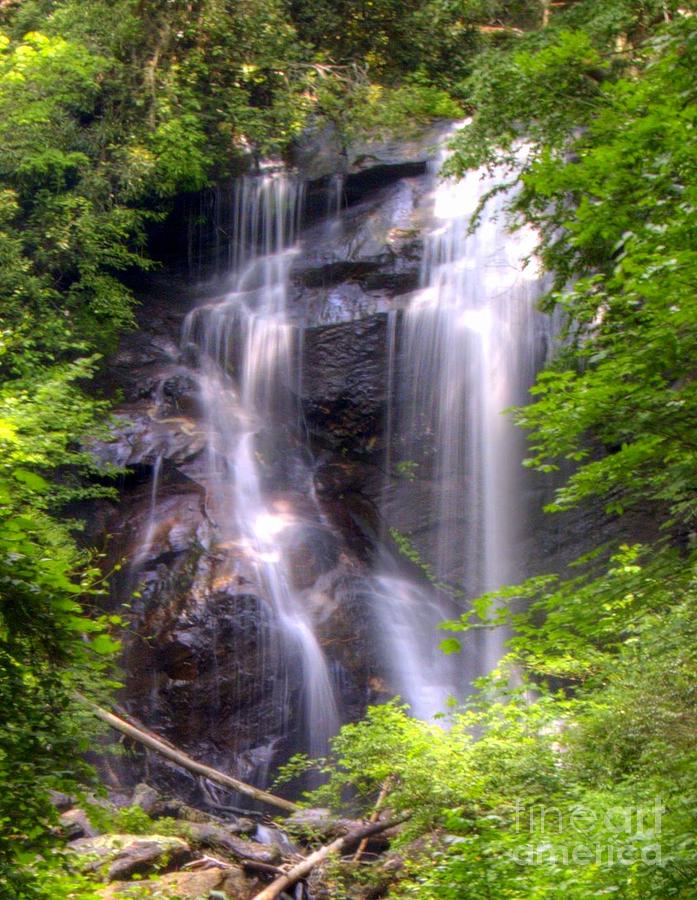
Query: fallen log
[[253, 866], [186, 762], [292, 876]]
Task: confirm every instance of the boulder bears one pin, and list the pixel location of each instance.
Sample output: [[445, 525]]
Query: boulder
[[120, 856], [76, 824], [318, 823], [385, 153], [219, 838], [146, 798], [196, 885], [320, 152]]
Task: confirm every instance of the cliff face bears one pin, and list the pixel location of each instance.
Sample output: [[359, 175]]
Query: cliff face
[[210, 660], [196, 657]]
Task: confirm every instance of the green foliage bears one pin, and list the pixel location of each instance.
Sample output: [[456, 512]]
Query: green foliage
[[51, 643], [435, 38], [132, 820], [591, 719], [401, 110], [603, 726], [517, 798]]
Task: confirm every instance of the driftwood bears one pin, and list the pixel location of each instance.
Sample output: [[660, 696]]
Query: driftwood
[[186, 762], [308, 864], [254, 866]]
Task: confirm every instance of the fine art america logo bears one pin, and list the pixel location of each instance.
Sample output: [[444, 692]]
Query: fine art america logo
[[621, 835]]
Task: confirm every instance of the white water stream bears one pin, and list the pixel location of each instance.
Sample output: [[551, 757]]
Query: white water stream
[[470, 345], [248, 366], [466, 348]]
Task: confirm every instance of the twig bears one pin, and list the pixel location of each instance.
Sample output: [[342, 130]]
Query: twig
[[384, 791]]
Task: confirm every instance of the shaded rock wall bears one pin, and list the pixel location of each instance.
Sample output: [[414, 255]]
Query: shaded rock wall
[[198, 654]]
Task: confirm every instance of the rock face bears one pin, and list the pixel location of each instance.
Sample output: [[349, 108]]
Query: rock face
[[198, 654], [343, 387], [320, 152]]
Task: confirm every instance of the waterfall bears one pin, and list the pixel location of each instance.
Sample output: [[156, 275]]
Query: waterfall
[[470, 344], [281, 600], [246, 349], [151, 524]]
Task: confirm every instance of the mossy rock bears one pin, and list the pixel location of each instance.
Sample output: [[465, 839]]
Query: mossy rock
[[118, 857]]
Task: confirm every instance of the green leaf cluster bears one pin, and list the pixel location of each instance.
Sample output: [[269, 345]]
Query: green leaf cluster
[[592, 715]]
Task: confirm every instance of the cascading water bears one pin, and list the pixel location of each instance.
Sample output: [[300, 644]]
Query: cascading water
[[470, 343], [251, 586], [246, 352]]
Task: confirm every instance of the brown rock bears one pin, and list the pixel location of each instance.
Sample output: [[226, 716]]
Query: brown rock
[[217, 837], [232, 883], [124, 855], [145, 856], [146, 798], [76, 824]]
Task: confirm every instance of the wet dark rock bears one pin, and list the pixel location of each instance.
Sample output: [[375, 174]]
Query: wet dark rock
[[75, 823], [343, 270], [312, 552], [343, 389], [356, 264], [143, 432], [199, 669], [219, 838], [181, 395]]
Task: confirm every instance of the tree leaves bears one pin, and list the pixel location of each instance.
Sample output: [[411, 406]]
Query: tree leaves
[[33, 481]]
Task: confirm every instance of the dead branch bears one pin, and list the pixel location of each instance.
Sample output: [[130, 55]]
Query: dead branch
[[308, 864], [154, 743], [384, 791]]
